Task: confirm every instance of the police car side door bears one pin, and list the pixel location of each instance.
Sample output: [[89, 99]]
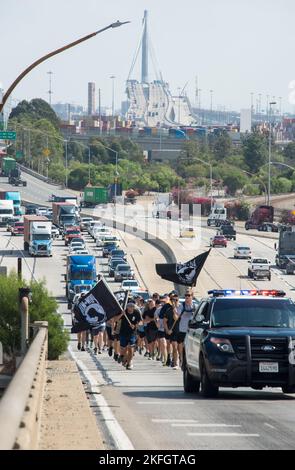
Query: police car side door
[[193, 338], [202, 319]]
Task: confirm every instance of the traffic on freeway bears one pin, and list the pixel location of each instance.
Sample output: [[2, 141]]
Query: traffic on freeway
[[173, 357]]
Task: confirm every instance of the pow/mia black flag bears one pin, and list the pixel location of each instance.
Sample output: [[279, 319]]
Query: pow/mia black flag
[[122, 297], [183, 273], [94, 308]]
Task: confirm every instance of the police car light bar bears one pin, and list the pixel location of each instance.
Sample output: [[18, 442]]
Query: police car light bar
[[249, 292]]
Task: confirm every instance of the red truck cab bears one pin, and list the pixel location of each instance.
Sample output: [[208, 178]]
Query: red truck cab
[[72, 232], [260, 215]]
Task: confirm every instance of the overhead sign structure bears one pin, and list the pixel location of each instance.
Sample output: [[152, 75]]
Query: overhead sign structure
[[7, 135]]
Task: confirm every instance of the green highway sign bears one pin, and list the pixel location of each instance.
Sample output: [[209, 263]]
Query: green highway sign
[[19, 154], [7, 135]]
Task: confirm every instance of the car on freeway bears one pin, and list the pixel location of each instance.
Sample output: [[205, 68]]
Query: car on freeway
[[54, 231], [73, 250], [228, 232], [77, 243], [259, 269], [130, 284], [187, 232], [100, 231], [240, 339], [113, 263], [218, 240], [78, 239], [17, 228], [70, 233], [242, 251], [81, 251], [11, 222], [85, 222], [117, 253], [123, 271], [94, 227], [268, 227], [106, 238], [107, 248], [41, 211], [144, 294], [30, 209]]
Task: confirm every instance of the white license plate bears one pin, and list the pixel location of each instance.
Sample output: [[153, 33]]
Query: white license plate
[[270, 367]]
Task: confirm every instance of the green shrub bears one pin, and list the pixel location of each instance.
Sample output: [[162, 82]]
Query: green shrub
[[43, 307]]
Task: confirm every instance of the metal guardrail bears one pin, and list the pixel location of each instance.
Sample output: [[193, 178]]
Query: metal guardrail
[[20, 405], [37, 175]]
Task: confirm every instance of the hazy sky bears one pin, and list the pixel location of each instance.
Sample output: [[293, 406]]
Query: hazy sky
[[235, 47]]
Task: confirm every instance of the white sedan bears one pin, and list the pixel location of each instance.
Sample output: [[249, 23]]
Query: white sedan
[[242, 252], [130, 284], [74, 249]]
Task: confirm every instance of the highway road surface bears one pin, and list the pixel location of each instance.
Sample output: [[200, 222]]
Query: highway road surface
[[146, 408]]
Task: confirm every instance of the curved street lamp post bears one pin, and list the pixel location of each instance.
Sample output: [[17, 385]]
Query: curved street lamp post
[[51, 54]]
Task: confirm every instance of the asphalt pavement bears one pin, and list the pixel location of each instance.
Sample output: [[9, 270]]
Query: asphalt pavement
[[147, 405]]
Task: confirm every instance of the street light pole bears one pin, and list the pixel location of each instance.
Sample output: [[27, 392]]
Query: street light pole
[[66, 144], [51, 54], [113, 94], [269, 151], [89, 157]]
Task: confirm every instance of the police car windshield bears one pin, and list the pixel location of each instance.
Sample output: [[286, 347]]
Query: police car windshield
[[266, 313]]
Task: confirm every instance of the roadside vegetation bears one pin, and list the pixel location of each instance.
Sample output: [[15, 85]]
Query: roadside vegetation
[[241, 170], [43, 307]]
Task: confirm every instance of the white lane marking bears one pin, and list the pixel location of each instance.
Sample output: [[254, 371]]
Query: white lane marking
[[220, 434], [174, 421], [120, 438], [207, 425], [165, 402], [269, 425]]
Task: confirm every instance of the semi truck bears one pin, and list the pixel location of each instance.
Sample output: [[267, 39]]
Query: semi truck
[[285, 248], [217, 215], [37, 235], [15, 177], [260, 215], [8, 164], [64, 213], [6, 212], [66, 198], [13, 196], [93, 196], [80, 276]]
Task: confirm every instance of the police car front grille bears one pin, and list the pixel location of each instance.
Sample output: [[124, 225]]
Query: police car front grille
[[258, 353]]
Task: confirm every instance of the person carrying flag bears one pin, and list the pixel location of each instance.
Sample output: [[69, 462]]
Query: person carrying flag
[[130, 320]]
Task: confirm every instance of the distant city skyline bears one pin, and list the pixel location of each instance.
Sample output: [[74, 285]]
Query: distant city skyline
[[221, 52]]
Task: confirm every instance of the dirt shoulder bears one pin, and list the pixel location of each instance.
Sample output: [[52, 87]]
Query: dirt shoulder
[[67, 422]]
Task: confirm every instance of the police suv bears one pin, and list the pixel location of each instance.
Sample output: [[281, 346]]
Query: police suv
[[242, 338]]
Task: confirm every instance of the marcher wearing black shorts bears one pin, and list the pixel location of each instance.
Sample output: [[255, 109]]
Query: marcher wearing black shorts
[[151, 326], [129, 322]]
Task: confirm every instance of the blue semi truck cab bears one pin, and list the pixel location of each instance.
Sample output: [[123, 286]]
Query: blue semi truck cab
[[81, 275]]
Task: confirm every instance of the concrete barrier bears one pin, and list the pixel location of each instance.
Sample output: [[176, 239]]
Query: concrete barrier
[[158, 243], [20, 406]]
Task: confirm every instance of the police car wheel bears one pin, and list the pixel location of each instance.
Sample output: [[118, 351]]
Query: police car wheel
[[207, 388], [190, 385]]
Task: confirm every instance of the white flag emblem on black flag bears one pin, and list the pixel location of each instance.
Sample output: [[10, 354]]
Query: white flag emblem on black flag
[[183, 273], [95, 308], [122, 297]]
